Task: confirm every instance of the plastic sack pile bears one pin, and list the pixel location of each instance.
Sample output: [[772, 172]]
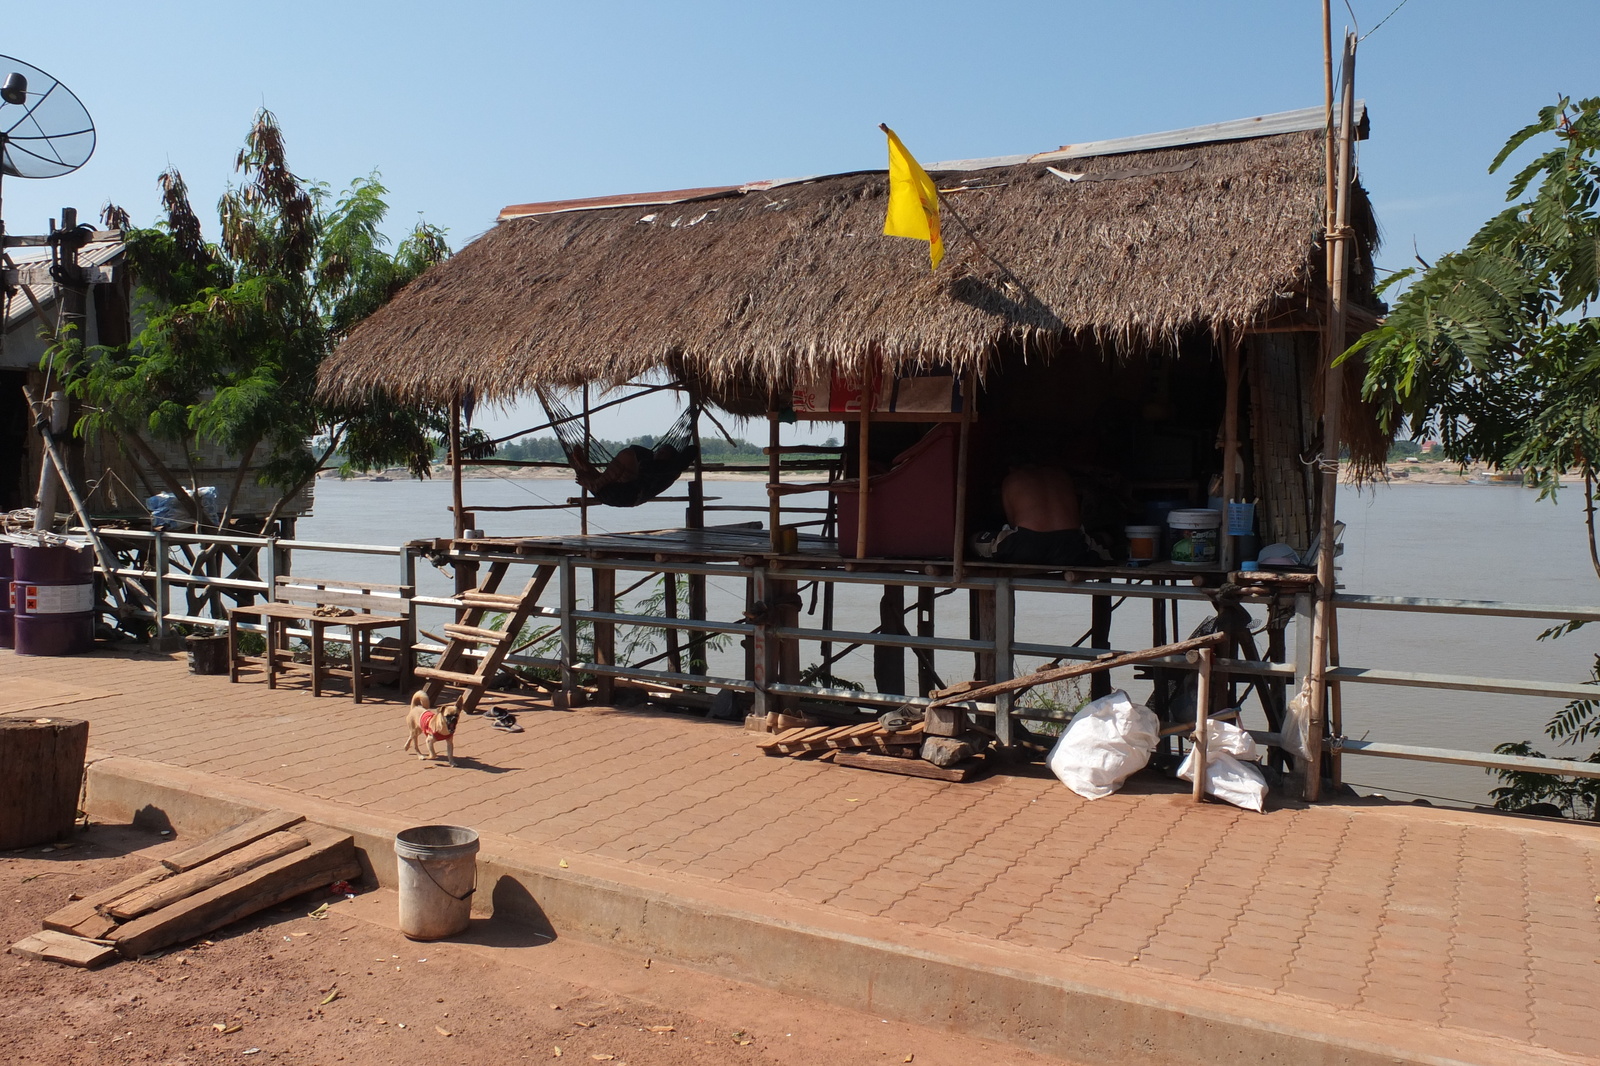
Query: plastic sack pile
[[1231, 772], [1107, 742]]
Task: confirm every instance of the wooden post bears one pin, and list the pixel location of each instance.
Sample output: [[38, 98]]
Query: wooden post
[[864, 463], [763, 646], [927, 676], [1332, 409], [1230, 441], [697, 582], [669, 603], [43, 760], [889, 663], [50, 482], [603, 585], [1100, 608], [1202, 716], [457, 509], [774, 480], [963, 445], [1004, 608], [569, 631], [583, 493]]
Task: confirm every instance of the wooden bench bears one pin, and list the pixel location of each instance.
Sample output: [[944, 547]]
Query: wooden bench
[[359, 606]]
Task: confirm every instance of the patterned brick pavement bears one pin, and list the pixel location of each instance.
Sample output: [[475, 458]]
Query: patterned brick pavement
[[1447, 919]]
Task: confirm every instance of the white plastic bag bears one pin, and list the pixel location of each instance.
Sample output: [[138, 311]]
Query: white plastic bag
[[1231, 773], [1296, 732], [1107, 742]]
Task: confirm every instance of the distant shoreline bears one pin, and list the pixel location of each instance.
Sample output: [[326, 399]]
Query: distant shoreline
[[1397, 474]]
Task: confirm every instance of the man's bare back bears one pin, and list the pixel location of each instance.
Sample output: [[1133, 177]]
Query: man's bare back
[[1040, 498]]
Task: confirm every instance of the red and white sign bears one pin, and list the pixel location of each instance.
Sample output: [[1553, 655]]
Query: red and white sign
[[52, 599]]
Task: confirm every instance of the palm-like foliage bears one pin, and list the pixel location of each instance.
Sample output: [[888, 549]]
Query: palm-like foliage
[[234, 332], [1491, 348]]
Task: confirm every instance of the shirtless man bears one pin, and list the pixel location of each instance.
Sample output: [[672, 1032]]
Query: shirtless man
[[1045, 525]]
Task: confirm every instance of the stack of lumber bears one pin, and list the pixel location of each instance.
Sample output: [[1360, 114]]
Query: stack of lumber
[[242, 870], [821, 740]]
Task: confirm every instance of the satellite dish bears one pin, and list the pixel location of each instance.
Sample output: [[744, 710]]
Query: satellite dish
[[45, 131]]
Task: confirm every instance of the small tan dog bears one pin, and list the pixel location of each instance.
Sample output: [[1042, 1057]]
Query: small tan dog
[[423, 721]]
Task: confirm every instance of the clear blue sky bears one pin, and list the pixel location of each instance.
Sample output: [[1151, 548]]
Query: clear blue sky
[[465, 107]]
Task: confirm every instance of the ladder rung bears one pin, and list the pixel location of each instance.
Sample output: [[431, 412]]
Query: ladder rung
[[450, 677], [482, 636], [490, 600]]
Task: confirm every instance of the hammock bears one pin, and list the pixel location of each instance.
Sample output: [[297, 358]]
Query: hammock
[[635, 474]]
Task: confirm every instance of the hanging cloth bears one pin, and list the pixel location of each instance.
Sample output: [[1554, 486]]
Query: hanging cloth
[[635, 474]]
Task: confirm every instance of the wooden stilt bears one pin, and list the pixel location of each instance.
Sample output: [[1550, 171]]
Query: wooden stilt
[[864, 463], [889, 663], [603, 583], [1230, 441], [958, 553], [1202, 716], [774, 480]]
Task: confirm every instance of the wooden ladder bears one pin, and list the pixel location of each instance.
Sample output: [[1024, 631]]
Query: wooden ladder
[[467, 633]]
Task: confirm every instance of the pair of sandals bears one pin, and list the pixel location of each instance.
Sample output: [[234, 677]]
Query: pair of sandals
[[500, 719]]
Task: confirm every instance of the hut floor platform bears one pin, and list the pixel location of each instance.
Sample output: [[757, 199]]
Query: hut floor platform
[[751, 544], [1006, 907]]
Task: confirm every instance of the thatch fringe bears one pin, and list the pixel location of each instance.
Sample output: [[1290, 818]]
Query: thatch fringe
[[758, 288]]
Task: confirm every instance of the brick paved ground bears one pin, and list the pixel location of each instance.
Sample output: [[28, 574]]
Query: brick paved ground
[[1441, 918]]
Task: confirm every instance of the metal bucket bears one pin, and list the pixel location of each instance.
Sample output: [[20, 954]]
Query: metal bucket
[[52, 595], [438, 874], [7, 627]]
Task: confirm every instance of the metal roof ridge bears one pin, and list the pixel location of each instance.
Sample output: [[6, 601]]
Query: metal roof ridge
[[1239, 129]]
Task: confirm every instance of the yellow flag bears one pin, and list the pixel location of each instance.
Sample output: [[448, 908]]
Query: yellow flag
[[913, 200]]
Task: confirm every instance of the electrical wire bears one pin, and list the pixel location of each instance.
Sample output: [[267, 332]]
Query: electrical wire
[[1385, 18]]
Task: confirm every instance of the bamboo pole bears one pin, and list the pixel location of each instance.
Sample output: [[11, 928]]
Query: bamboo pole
[[1332, 410], [1062, 673]]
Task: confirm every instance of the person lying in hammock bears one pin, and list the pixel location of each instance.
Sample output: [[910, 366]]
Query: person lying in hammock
[[635, 464]]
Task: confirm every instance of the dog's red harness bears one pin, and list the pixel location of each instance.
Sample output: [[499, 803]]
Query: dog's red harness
[[427, 725]]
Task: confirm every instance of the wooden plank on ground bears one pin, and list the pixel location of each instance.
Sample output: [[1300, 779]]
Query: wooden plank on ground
[[906, 767], [330, 857], [49, 945], [79, 915], [234, 863], [265, 824]]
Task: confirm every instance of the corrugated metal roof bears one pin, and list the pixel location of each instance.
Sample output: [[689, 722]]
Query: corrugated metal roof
[[1305, 118]]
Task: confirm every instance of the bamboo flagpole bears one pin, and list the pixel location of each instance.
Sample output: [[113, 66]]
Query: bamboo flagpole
[[1338, 241]]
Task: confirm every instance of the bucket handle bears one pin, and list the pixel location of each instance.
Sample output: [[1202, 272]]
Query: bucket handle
[[446, 891]]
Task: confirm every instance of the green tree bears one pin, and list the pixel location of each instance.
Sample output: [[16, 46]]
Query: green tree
[[234, 332], [1493, 349]]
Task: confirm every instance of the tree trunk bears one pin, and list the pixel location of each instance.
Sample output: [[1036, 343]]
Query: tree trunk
[[41, 773]]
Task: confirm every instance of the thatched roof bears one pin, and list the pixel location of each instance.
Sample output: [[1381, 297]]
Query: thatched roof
[[767, 282]]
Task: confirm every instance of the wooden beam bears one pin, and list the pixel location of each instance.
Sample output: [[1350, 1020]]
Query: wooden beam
[[232, 839], [1061, 673]]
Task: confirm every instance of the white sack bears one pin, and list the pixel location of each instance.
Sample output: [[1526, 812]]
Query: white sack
[[1107, 742], [1296, 734], [1240, 783]]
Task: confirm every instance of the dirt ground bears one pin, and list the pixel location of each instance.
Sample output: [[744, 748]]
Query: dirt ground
[[287, 988]]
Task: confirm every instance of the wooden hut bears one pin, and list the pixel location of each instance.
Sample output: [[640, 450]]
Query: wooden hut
[[1151, 312]]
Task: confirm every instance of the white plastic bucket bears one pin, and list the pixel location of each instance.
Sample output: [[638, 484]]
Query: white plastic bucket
[[1144, 543], [1194, 535], [438, 874]]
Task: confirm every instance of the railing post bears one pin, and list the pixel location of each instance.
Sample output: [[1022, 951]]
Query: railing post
[[763, 645], [569, 629], [1304, 667], [1202, 717], [163, 590], [1004, 618]]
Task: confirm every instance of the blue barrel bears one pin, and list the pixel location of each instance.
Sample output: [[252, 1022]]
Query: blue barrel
[[7, 629], [52, 591]]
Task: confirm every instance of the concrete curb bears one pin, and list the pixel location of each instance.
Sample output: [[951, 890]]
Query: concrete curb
[[1070, 1007]]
